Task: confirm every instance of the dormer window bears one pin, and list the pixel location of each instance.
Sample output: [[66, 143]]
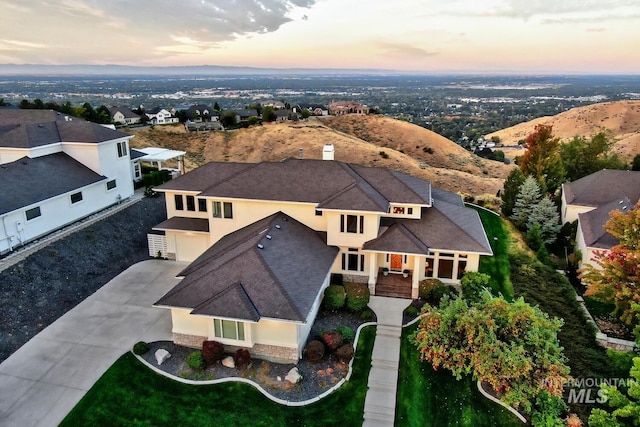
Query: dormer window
[[352, 224]]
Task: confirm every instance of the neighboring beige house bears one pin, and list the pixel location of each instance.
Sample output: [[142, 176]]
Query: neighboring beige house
[[339, 108], [123, 116], [265, 238], [589, 200]]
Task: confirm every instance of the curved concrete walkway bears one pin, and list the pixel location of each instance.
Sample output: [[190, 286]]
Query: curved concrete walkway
[[380, 403], [45, 378]]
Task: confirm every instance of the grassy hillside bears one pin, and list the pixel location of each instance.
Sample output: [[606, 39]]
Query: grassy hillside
[[620, 117], [367, 140]]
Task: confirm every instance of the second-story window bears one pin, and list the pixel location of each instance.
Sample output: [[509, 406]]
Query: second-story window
[[222, 210], [202, 205], [191, 203], [122, 149], [352, 224], [179, 202]]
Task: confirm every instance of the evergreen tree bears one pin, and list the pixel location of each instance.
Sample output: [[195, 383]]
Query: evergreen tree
[[545, 215], [511, 189], [216, 107], [528, 196]]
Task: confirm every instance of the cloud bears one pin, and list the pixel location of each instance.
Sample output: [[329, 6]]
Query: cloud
[[18, 45], [401, 49]]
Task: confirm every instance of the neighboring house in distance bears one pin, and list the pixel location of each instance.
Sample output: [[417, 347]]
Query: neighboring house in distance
[[340, 108], [161, 116], [318, 110], [276, 105], [245, 114], [55, 170], [589, 200], [123, 116], [199, 113], [263, 240], [286, 115]]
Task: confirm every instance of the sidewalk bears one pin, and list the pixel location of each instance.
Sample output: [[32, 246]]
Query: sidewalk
[[42, 381], [380, 403], [23, 252]]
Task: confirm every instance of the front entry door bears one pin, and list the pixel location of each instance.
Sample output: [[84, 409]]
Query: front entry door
[[396, 262]]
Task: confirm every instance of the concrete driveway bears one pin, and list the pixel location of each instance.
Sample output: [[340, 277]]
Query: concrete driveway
[[42, 381]]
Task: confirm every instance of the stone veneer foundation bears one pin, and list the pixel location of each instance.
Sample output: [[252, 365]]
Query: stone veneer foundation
[[272, 353]]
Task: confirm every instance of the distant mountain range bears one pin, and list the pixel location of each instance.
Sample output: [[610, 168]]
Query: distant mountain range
[[200, 70]]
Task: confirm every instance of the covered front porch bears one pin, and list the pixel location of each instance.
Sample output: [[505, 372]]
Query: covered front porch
[[393, 285]]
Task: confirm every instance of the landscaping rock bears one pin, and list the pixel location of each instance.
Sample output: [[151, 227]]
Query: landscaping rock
[[162, 355], [293, 376], [228, 362]]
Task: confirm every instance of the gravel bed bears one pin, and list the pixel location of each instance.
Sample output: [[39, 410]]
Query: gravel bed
[[317, 378], [38, 290]]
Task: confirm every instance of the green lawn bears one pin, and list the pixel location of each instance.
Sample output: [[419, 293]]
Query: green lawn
[[130, 394], [435, 398], [497, 266]]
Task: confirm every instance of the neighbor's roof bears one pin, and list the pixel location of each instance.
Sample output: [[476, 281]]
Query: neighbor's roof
[[34, 128], [28, 181], [127, 113], [600, 188], [447, 226], [592, 224], [328, 184], [237, 279]]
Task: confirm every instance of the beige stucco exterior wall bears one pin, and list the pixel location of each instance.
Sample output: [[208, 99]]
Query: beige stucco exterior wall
[[587, 252], [351, 240], [187, 246]]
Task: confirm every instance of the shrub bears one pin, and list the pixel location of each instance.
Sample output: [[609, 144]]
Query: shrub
[[242, 358], [314, 351], [366, 315], [621, 361], [212, 351], [426, 286], [412, 311], [473, 284], [345, 353], [332, 339], [347, 333], [195, 360], [334, 297], [357, 296], [384, 155], [140, 347]]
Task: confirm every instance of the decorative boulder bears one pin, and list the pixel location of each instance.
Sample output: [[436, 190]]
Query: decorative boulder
[[293, 376], [345, 353], [314, 351], [162, 355], [228, 362]]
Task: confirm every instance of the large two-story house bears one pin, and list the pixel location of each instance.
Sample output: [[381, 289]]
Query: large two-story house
[[264, 239], [56, 169]]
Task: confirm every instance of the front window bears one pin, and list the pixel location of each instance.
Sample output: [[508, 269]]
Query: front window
[[191, 203], [352, 224], [202, 205], [222, 209], [353, 261], [228, 210], [179, 201], [228, 329]]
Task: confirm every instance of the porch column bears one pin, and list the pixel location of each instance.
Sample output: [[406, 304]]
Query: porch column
[[373, 272], [415, 278]]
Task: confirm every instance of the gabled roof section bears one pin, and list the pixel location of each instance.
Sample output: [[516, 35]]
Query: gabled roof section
[[328, 184], [28, 181], [127, 113], [592, 224], [447, 226], [602, 187], [35, 128], [279, 276]]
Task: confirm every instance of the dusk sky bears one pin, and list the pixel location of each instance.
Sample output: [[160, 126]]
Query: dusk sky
[[484, 36]]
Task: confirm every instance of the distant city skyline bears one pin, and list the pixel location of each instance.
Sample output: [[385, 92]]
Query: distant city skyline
[[490, 36]]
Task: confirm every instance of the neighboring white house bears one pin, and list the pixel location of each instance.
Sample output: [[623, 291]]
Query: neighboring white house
[[265, 238], [161, 116], [56, 169], [589, 200]]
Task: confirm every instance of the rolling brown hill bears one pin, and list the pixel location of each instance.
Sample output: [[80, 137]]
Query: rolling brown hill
[[368, 140], [620, 117]]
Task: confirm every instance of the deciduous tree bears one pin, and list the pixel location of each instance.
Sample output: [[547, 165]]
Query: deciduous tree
[[542, 158], [614, 276], [512, 346], [582, 157]]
